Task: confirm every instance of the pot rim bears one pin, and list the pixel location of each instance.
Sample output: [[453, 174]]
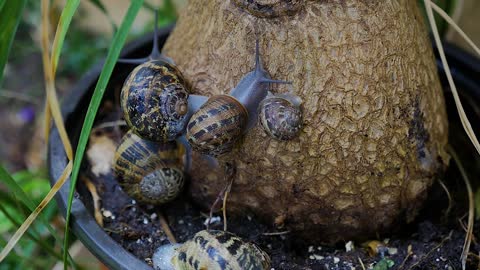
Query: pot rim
[[83, 225]]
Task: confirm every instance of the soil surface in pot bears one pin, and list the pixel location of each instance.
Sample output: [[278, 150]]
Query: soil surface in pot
[[433, 241]]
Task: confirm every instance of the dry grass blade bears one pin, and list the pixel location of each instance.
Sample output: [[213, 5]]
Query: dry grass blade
[[465, 122], [449, 196], [166, 228], [452, 23], [471, 209], [52, 99], [19, 233], [463, 117]]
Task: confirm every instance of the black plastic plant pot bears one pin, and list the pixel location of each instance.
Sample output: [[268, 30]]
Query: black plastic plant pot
[[465, 70]]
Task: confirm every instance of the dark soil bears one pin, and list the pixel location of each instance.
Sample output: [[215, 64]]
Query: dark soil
[[434, 241]]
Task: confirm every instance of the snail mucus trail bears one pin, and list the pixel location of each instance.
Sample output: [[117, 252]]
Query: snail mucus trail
[[215, 250]]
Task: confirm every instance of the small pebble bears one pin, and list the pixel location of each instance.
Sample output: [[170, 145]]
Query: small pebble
[[149, 240], [145, 221], [310, 249], [212, 221], [107, 213], [349, 246], [336, 260], [392, 251], [134, 202], [153, 216], [180, 221]]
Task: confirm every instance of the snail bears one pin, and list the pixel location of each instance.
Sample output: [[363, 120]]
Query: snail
[[211, 250], [155, 96], [222, 119], [281, 116], [147, 171]]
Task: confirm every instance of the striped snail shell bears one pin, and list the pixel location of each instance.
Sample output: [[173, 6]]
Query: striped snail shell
[[154, 101], [217, 125], [223, 119], [147, 171], [213, 250], [281, 116]]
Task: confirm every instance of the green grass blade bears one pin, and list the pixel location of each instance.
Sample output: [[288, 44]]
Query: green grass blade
[[113, 54], [10, 15], [23, 198], [63, 24], [30, 235], [1, 3]]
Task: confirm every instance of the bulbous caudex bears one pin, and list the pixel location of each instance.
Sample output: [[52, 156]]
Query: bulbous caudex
[[374, 129]]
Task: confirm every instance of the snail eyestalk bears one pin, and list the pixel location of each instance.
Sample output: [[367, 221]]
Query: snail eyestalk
[[154, 54]]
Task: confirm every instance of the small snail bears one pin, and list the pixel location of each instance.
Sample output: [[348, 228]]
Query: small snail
[[222, 119], [211, 250], [281, 116], [155, 97], [147, 171]]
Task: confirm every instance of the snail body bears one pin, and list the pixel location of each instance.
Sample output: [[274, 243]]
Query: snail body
[[280, 116], [243, 101], [216, 250], [147, 171]]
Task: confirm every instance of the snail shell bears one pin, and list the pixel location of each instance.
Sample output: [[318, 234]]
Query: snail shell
[[154, 101], [217, 125], [281, 116], [147, 171], [213, 250]]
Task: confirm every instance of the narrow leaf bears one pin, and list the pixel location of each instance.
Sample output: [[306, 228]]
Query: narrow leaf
[[23, 198], [10, 15], [63, 24], [113, 54]]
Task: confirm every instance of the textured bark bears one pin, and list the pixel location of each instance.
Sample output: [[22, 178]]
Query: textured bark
[[375, 126]]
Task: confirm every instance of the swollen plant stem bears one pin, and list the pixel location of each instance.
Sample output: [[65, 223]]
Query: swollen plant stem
[[18, 234], [463, 117], [452, 23]]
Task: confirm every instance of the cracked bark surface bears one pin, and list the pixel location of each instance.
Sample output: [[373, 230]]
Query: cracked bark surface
[[375, 125]]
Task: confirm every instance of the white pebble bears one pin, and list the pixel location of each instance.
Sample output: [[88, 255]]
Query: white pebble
[[349, 246], [149, 240], [336, 260], [134, 202], [212, 221], [145, 221], [310, 249], [107, 213], [153, 216], [392, 251], [181, 221]]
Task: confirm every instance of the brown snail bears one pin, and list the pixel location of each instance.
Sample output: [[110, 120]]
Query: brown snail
[[213, 250], [147, 171], [222, 119], [155, 97], [281, 116]]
